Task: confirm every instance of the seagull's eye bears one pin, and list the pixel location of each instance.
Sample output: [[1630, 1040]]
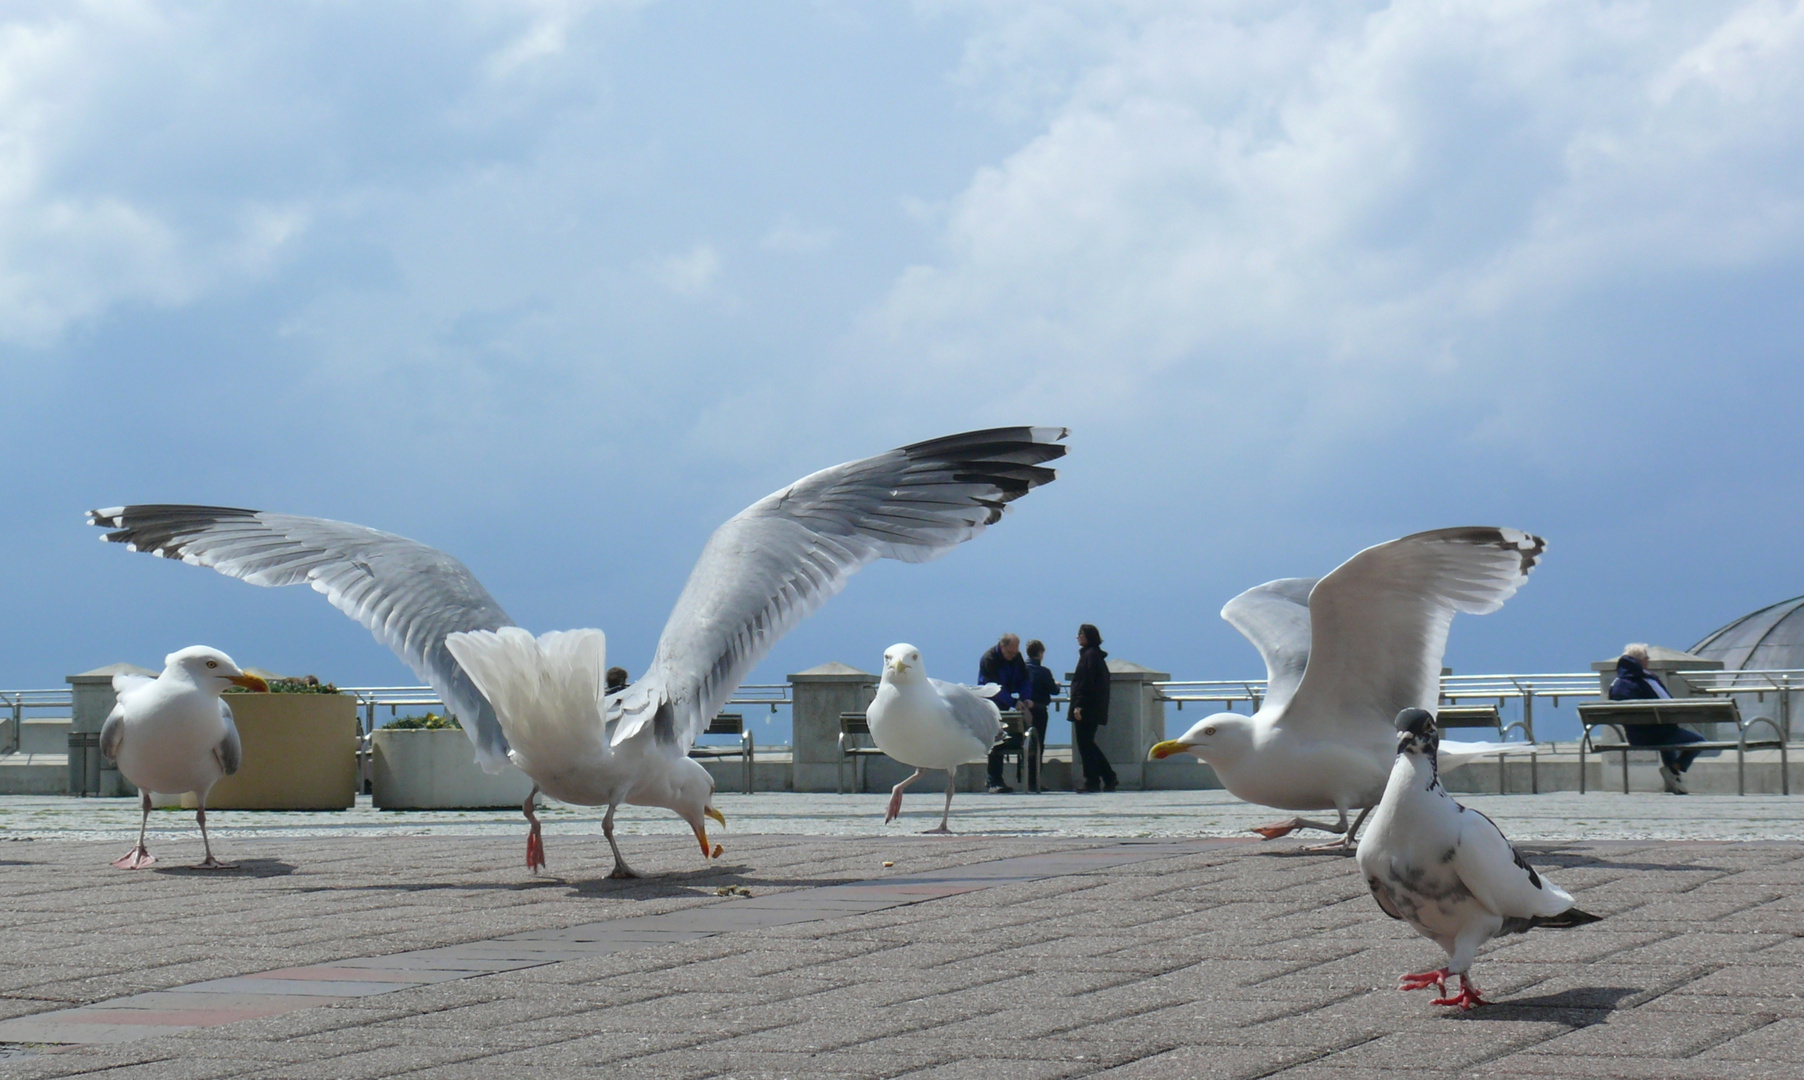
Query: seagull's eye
[[1208, 731], [212, 663]]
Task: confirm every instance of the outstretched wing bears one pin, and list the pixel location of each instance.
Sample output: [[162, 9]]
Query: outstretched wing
[[407, 594], [1275, 618], [777, 561], [1378, 624]]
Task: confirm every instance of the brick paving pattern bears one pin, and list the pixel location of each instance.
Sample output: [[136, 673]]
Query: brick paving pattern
[[1197, 960]]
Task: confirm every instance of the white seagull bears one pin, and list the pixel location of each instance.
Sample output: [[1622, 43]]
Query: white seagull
[[1342, 655], [174, 734], [535, 702], [929, 724], [1448, 870]]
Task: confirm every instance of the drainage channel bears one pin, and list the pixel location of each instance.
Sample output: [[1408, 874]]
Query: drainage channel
[[270, 993]]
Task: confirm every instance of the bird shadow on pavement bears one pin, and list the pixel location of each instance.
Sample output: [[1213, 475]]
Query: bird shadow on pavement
[[255, 868], [1580, 1006]]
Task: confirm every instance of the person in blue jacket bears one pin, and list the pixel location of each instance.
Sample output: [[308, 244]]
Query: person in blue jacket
[[1004, 666], [1634, 682]]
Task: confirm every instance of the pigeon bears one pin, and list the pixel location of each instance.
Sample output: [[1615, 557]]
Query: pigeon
[[541, 703], [1342, 655], [1448, 870], [174, 734], [929, 724]]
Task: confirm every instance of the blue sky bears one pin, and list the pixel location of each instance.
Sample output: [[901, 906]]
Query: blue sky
[[560, 286]]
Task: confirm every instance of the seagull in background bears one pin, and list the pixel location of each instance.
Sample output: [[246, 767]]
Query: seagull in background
[[174, 734], [529, 701], [1342, 655], [929, 724], [1448, 870]]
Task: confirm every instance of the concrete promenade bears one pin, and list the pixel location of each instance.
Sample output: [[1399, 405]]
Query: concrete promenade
[[391, 945]]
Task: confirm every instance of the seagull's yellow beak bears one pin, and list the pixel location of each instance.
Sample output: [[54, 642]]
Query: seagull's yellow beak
[[701, 834], [716, 815], [898, 666], [249, 682], [1163, 750]]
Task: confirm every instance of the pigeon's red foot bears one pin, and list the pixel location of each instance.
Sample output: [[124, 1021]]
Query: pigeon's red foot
[[535, 850], [1418, 980], [1467, 997], [135, 859]]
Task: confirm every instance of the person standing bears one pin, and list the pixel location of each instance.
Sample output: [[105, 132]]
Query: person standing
[[1044, 689], [1634, 682], [1090, 708], [1004, 666]]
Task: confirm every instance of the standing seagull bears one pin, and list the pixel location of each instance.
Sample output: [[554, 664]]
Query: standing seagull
[[1448, 870], [1342, 655], [770, 566], [930, 724], [174, 734]]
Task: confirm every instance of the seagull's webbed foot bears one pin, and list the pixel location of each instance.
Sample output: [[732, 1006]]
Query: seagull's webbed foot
[[937, 830], [1344, 845], [135, 859], [1418, 980], [895, 796], [623, 872], [210, 863], [1467, 998]]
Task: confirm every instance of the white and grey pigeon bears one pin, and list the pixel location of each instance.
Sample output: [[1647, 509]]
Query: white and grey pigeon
[[930, 724], [173, 734], [1448, 870], [1342, 655], [539, 702]]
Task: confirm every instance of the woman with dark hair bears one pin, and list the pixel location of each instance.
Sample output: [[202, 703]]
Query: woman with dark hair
[[1090, 708]]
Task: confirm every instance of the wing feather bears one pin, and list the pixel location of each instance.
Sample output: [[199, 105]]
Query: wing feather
[[1275, 618], [777, 561], [1497, 875], [408, 595], [1379, 622]]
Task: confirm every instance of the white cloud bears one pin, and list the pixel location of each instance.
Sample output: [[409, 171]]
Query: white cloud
[[1346, 201], [792, 237], [688, 274]]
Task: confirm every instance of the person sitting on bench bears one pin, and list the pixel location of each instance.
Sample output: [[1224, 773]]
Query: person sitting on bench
[[1635, 682]]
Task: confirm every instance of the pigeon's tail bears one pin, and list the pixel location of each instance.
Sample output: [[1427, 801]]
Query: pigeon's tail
[[1565, 920]]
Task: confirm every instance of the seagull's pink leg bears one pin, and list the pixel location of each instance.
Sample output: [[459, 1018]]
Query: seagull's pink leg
[[139, 857], [535, 842], [895, 796], [208, 863], [1466, 998], [946, 814], [1421, 979]]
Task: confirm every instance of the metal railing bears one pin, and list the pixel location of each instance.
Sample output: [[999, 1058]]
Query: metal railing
[[1782, 682], [14, 704], [370, 699]]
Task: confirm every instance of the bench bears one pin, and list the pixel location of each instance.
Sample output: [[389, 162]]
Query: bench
[[853, 726], [1488, 716], [729, 724], [1678, 711]]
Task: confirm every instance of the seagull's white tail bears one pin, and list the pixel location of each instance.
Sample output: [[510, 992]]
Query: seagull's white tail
[[1454, 753], [548, 692]]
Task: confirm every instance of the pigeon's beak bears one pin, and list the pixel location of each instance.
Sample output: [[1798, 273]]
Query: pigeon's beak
[[1163, 750], [249, 682]]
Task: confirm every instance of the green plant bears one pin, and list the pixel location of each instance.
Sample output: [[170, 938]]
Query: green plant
[[304, 684], [430, 722]]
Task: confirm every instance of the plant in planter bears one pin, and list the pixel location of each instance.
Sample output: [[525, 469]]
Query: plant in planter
[[425, 763], [300, 749]]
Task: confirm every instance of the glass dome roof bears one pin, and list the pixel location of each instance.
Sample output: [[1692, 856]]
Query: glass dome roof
[[1769, 639]]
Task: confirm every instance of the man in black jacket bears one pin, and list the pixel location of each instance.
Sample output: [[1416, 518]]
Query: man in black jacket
[[1090, 708]]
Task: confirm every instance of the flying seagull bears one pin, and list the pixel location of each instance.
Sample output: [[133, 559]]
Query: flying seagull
[[1448, 870], [1342, 655], [929, 724], [763, 571], [174, 734]]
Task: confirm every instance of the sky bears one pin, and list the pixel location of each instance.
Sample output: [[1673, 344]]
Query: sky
[[559, 286]]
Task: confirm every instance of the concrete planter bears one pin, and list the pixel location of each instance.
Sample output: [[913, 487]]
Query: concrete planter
[[434, 770], [300, 753]]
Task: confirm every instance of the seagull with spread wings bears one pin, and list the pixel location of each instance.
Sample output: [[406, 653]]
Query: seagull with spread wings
[[1342, 655], [539, 702]]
